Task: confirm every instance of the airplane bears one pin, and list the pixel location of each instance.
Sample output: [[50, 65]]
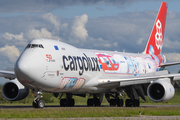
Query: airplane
[[53, 66]]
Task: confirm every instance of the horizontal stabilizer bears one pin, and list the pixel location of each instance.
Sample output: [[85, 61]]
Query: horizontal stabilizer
[[169, 64]]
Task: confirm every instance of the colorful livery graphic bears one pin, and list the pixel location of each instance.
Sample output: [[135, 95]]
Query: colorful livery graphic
[[126, 64], [71, 83]]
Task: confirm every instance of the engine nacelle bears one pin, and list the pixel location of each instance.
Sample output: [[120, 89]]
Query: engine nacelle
[[14, 91], [160, 91]]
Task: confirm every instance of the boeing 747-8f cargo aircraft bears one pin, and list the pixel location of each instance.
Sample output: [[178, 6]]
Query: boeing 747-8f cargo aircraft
[[53, 66]]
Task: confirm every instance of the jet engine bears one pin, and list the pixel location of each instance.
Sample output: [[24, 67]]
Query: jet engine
[[160, 90], [14, 91]]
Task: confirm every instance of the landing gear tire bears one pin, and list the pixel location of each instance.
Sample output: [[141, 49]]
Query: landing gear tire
[[120, 102], [93, 102], [67, 102], [97, 102], [129, 103], [70, 102], [113, 102], [38, 104], [135, 103], [90, 102], [63, 103], [132, 103]]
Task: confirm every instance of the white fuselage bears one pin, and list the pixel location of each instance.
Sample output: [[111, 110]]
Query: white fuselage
[[54, 66]]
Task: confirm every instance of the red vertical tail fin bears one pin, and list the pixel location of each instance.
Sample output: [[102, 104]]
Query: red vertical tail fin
[[155, 42]]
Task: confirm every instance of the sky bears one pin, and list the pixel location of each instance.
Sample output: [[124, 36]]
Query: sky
[[115, 25]]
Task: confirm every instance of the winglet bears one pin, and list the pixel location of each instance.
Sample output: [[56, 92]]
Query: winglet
[[155, 42]]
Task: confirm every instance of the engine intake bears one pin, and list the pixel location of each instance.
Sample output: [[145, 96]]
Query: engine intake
[[14, 91], [160, 91]]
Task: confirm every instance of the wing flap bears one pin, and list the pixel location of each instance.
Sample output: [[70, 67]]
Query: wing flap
[[125, 83]]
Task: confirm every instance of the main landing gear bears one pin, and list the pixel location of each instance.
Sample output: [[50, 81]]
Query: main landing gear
[[132, 103], [68, 102], [119, 102], [38, 103], [115, 101], [94, 101]]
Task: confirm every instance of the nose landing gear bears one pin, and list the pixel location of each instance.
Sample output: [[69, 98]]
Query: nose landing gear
[[38, 103]]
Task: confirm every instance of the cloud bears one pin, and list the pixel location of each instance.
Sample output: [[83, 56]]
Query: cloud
[[10, 36], [172, 57], [53, 19], [43, 33], [130, 31], [11, 52], [124, 31], [78, 28], [171, 44], [100, 44], [15, 39], [140, 40]]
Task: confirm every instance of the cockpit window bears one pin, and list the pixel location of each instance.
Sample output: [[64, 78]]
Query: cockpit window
[[41, 46], [34, 46]]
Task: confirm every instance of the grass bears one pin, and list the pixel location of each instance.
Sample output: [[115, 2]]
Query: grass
[[74, 112]]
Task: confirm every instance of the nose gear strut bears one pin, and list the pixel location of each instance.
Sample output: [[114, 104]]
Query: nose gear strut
[[37, 103]]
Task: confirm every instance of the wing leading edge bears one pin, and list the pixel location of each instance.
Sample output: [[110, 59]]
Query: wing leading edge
[[7, 74]]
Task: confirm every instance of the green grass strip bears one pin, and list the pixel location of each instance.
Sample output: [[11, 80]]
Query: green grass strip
[[75, 112]]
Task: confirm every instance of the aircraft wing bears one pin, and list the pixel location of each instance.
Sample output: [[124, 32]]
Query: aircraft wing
[[169, 64], [7, 74], [141, 79]]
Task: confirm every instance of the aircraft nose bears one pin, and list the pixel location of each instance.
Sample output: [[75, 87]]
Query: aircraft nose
[[29, 66], [21, 67]]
